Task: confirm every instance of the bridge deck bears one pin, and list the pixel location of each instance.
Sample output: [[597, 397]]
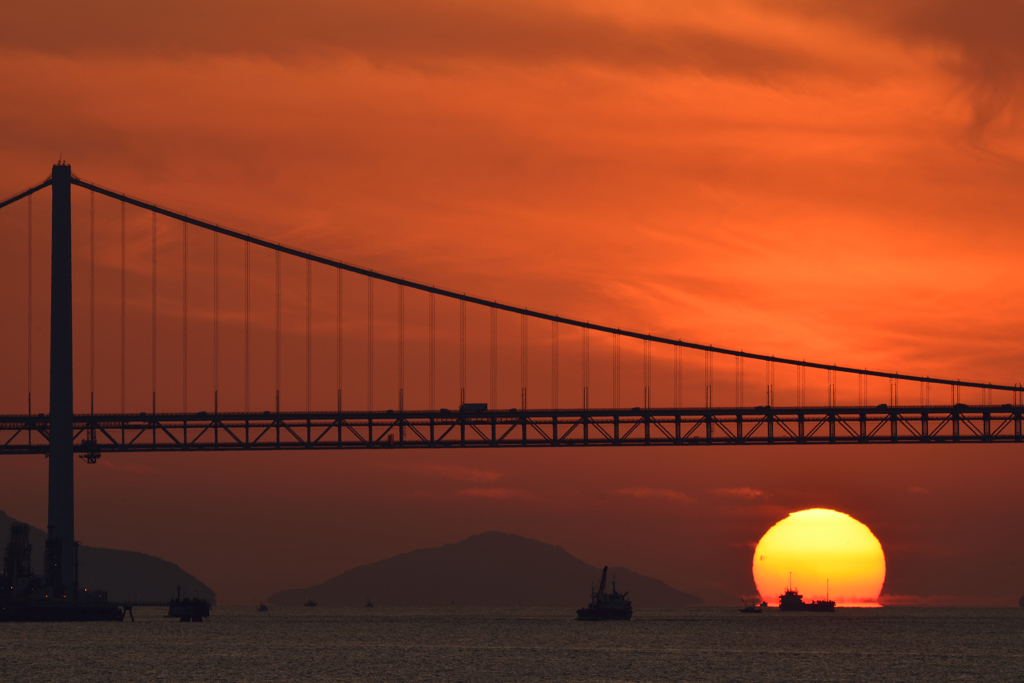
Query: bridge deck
[[134, 433]]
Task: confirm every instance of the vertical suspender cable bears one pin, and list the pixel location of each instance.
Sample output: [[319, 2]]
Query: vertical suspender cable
[[616, 364], [585, 371], [123, 349], [247, 307], [798, 385], [647, 373], [707, 388], [29, 310], [462, 352], [677, 377], [431, 349], [92, 302], [709, 378], [216, 323], [339, 362], [309, 336], [737, 378], [833, 380], [554, 365], [153, 310], [742, 381], [370, 343], [184, 317], [277, 332], [401, 348], [524, 356], [494, 359]]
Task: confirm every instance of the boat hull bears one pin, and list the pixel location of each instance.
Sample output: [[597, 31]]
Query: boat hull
[[591, 614], [810, 607], [59, 611]]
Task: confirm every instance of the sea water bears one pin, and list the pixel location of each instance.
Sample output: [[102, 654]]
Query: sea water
[[479, 644]]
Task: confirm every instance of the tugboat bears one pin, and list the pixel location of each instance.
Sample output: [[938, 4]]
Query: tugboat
[[606, 606], [791, 601], [752, 608], [309, 603], [189, 609]]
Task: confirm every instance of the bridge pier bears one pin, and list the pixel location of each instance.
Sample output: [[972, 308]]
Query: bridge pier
[[60, 543]]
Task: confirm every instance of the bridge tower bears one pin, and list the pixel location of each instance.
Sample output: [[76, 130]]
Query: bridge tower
[[60, 543]]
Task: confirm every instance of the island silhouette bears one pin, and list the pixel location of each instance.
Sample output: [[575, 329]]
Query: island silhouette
[[491, 569]]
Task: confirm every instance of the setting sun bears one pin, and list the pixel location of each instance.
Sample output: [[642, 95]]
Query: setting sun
[[826, 551]]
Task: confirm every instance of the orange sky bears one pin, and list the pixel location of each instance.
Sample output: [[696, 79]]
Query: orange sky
[[831, 181]]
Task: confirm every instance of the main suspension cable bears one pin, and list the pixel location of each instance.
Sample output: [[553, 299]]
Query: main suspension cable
[[517, 309]]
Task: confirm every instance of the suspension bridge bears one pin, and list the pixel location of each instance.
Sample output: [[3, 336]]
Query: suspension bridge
[[152, 411], [693, 418]]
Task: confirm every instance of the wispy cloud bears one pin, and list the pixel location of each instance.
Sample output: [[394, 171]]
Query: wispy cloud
[[129, 467], [648, 492], [941, 600], [497, 493], [472, 475], [527, 32], [742, 492], [979, 42], [461, 473]]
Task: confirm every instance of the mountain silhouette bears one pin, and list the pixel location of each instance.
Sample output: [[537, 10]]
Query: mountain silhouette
[[124, 574], [489, 569]]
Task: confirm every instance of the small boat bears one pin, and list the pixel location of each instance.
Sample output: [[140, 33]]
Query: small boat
[[606, 606], [309, 603], [752, 608], [369, 603], [263, 607]]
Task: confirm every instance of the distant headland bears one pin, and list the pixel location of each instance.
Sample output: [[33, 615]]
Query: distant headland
[[124, 574]]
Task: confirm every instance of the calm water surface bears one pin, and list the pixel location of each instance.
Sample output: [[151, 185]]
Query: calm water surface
[[453, 644]]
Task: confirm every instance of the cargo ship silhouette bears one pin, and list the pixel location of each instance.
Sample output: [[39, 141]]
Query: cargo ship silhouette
[[791, 601], [606, 606]]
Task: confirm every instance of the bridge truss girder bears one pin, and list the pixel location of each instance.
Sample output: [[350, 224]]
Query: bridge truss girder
[[179, 432]]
